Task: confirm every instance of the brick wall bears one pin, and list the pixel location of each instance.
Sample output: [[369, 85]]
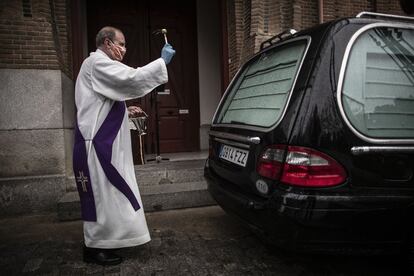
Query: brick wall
[[34, 35], [389, 6], [232, 37], [305, 14], [346, 8], [252, 21]]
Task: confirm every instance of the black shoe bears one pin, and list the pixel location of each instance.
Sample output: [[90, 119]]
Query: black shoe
[[100, 256]]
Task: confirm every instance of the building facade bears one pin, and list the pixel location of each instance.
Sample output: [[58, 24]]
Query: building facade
[[250, 22], [43, 43]]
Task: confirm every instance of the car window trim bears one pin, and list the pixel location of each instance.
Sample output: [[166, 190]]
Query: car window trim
[[257, 128], [342, 76], [382, 149]]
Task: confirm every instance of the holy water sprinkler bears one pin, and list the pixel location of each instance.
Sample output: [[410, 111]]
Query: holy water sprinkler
[[158, 157], [164, 32], [161, 31]]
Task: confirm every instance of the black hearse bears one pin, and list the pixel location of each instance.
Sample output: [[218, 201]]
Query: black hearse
[[312, 145]]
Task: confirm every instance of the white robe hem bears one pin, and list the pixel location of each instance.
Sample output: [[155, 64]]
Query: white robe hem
[[112, 244]]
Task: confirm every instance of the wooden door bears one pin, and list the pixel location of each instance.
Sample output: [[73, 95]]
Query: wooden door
[[178, 102], [178, 108]]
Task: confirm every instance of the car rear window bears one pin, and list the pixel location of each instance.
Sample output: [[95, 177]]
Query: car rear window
[[261, 91], [378, 86]]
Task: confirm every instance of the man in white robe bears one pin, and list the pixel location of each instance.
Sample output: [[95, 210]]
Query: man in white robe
[[102, 161]]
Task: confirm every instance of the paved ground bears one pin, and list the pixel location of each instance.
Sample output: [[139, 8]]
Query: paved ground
[[199, 241]]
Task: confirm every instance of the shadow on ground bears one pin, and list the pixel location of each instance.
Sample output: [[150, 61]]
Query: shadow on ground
[[198, 241]]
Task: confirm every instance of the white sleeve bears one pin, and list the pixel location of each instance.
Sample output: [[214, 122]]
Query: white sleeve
[[120, 82]]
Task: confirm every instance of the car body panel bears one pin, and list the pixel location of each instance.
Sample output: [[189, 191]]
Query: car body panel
[[375, 203]]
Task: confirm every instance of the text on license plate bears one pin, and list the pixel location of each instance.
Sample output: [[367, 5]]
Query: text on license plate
[[234, 155]]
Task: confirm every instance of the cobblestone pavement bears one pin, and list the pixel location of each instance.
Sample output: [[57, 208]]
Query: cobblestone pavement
[[199, 241]]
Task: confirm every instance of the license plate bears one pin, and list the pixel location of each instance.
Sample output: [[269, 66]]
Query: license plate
[[234, 155]]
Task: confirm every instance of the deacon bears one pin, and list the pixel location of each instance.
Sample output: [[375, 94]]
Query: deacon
[[102, 159]]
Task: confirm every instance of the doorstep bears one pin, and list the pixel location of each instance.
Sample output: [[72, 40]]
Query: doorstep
[[163, 186]]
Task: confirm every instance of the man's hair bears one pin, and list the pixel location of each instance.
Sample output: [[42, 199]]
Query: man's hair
[[106, 32]]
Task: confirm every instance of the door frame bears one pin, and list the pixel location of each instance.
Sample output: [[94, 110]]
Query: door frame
[[79, 43]]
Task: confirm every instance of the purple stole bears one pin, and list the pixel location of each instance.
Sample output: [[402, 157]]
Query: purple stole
[[102, 143]]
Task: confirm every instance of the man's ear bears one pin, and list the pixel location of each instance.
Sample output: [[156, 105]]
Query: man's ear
[[107, 42]]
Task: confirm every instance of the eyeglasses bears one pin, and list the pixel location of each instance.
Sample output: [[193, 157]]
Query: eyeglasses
[[118, 44]]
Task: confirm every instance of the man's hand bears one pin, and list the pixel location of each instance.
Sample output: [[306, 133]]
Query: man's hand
[[134, 111], [167, 53]]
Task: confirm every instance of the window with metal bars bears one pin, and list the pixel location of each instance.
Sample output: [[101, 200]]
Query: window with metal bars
[[27, 8]]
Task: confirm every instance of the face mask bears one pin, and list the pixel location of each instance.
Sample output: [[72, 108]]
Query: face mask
[[117, 51]]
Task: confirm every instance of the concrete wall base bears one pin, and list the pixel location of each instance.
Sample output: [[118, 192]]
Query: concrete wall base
[[25, 195]]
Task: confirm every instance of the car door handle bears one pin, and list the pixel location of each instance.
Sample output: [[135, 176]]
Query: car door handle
[[246, 139]]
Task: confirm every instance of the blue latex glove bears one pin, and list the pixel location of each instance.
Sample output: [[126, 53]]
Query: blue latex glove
[[167, 53]]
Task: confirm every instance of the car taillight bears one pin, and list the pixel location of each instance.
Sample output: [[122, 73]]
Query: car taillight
[[302, 167], [271, 162]]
